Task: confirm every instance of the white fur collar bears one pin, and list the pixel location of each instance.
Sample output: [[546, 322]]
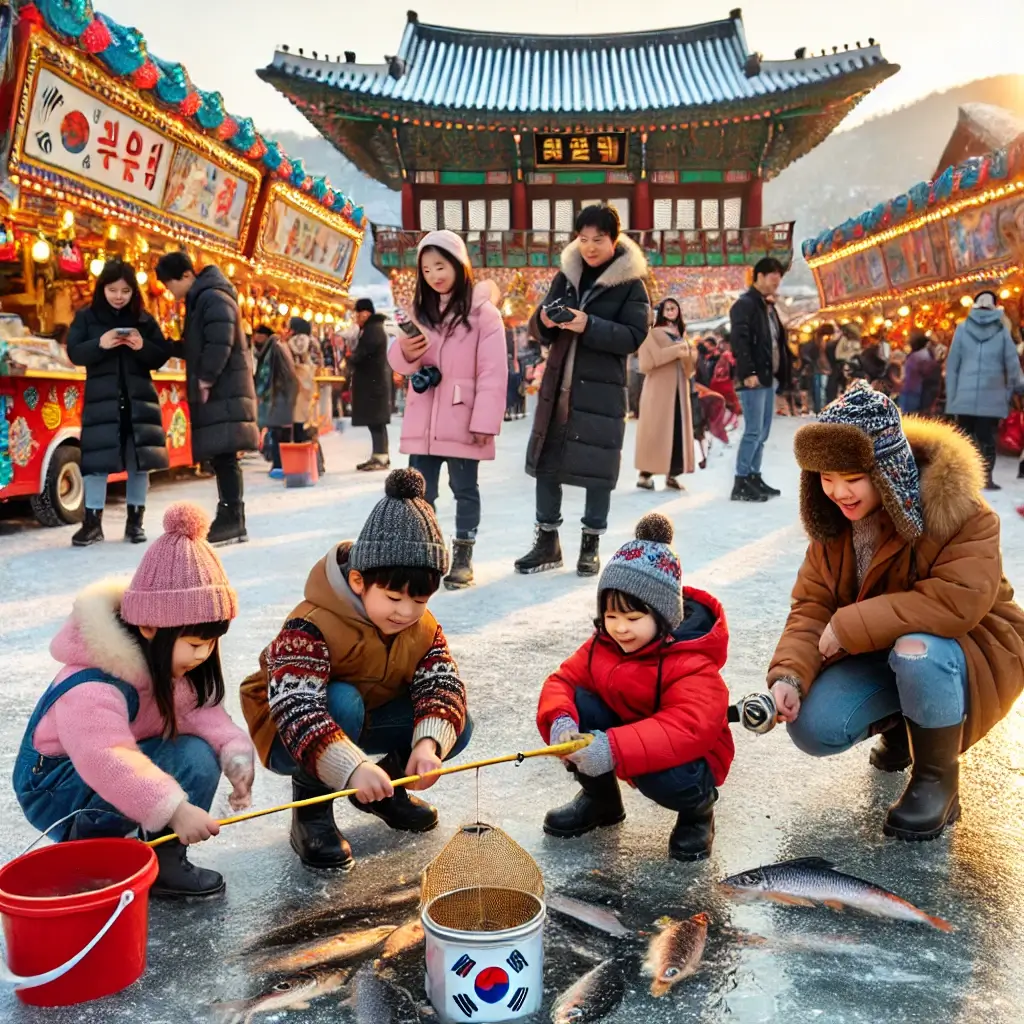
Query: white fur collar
[[629, 264], [103, 640]]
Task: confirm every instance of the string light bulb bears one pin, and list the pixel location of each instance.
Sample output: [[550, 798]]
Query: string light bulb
[[67, 220], [41, 250], [319, 318], [1005, 293], [142, 277], [966, 301], [904, 311], [283, 309], [96, 267]]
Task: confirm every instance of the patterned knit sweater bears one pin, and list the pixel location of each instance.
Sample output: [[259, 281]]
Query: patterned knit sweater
[[300, 662]]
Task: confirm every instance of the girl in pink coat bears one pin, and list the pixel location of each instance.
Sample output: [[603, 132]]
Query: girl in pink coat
[[132, 735], [458, 374]]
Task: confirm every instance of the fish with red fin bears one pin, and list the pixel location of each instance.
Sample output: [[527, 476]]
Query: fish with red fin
[[675, 952]]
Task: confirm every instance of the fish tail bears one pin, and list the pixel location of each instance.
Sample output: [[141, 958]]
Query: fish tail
[[940, 923]]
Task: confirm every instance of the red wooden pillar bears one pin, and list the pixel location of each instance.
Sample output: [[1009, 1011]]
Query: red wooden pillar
[[520, 222], [753, 211], [408, 206], [643, 210]]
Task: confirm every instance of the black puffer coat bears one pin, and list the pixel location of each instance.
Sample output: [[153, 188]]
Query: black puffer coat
[[371, 375], [119, 393], [577, 435], [217, 353]]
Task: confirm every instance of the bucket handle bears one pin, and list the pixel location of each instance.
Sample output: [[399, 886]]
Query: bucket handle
[[46, 832], [18, 982]]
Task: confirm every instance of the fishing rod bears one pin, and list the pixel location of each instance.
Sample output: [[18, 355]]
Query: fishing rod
[[558, 750], [756, 711]]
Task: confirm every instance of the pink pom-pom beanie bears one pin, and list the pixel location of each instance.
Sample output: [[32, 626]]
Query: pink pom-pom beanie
[[180, 580]]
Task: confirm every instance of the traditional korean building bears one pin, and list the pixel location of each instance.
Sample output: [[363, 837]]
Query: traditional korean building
[[504, 137]]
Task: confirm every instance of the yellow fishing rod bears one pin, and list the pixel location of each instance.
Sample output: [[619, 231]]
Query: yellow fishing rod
[[558, 750]]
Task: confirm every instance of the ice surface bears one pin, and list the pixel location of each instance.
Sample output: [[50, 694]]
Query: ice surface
[[507, 633]]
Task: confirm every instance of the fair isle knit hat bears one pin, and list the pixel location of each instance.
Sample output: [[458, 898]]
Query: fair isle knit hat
[[450, 242], [180, 580], [648, 569], [402, 530], [860, 432]]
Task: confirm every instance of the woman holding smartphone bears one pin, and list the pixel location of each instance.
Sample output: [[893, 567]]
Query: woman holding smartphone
[[119, 344]]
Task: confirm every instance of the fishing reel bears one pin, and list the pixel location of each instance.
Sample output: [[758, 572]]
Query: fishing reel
[[756, 711]]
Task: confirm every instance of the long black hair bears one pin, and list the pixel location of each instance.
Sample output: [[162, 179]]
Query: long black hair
[[427, 303], [113, 271], [207, 680], [661, 320]]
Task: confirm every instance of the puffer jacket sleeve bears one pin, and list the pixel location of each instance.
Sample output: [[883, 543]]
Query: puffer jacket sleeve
[[558, 694], [625, 334], [156, 349], [491, 373], [693, 710], [957, 594], [218, 322], [954, 360], [812, 607], [83, 345], [1011, 363], [556, 291]]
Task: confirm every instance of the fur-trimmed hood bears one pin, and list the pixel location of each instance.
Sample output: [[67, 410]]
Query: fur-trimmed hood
[[629, 264], [949, 468], [94, 637]]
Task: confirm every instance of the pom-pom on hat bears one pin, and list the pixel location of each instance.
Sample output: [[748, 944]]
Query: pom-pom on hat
[[180, 580], [648, 569], [402, 530]]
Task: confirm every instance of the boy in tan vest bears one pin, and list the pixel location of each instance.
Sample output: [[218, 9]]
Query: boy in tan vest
[[361, 666]]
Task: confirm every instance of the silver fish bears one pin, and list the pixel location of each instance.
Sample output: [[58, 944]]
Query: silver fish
[[675, 952], [602, 918], [375, 1001], [333, 950], [294, 993], [594, 996], [401, 940], [810, 880]]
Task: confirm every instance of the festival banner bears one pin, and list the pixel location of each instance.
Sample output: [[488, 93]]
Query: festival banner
[[983, 235], [290, 234], [917, 257], [848, 278], [205, 194]]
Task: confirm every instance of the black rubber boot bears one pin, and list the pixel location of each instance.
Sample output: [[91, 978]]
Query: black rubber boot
[[545, 554], [1020, 470], [374, 464], [759, 485], [133, 531], [589, 563], [744, 490], [91, 531], [891, 752], [314, 836], [597, 805], [694, 833], [180, 879], [460, 575], [931, 800], [229, 525], [403, 812]]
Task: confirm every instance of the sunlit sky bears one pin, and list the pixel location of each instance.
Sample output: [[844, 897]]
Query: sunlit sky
[[938, 43]]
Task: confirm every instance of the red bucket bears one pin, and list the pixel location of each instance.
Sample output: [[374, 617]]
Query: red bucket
[[299, 464], [75, 919]]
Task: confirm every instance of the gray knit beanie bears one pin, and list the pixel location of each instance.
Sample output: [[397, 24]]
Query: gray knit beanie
[[402, 530], [648, 569]]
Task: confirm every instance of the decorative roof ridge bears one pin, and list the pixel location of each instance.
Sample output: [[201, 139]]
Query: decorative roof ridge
[[845, 60]]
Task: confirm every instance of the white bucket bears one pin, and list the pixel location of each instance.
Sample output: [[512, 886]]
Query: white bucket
[[485, 975]]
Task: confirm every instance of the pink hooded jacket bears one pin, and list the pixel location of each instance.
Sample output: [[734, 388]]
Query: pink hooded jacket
[[474, 380], [90, 725]]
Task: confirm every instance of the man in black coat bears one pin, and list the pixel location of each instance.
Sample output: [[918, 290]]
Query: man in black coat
[[371, 383], [580, 421], [762, 357], [221, 392]]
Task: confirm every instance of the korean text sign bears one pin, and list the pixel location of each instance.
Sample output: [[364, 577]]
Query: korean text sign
[[607, 149]]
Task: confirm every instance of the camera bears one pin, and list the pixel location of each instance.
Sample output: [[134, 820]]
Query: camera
[[558, 312], [425, 378]]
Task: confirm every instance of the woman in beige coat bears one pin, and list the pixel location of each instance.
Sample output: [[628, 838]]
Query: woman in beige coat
[[664, 433]]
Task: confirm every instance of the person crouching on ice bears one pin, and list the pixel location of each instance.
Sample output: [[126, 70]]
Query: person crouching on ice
[[361, 666], [902, 623], [647, 685]]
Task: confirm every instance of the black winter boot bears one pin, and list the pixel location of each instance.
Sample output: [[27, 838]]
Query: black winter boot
[[180, 879], [460, 575], [598, 805], [91, 531], [931, 800], [229, 525], [891, 752], [759, 485], [744, 490], [545, 554], [694, 833], [403, 812], [314, 836], [645, 482], [133, 531], [589, 563]]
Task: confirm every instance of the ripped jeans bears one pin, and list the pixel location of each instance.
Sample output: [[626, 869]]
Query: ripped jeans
[[923, 677]]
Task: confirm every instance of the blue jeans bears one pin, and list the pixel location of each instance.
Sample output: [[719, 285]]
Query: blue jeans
[[758, 410], [463, 478], [819, 392], [849, 697], [384, 730], [138, 483], [683, 788], [549, 506]]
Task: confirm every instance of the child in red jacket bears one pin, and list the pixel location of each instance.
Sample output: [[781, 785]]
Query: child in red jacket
[[648, 686]]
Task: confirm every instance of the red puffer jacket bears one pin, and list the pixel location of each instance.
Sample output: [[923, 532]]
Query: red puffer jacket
[[670, 696]]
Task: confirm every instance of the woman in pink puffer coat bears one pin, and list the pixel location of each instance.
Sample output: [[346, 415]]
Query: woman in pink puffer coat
[[459, 377]]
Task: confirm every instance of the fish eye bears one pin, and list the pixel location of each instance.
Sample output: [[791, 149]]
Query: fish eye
[[670, 972], [283, 986], [575, 1013]]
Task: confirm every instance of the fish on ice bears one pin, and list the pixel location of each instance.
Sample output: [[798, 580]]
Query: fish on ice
[[376, 1001], [294, 993], [335, 949], [807, 881], [675, 952], [601, 918], [594, 996], [401, 940]]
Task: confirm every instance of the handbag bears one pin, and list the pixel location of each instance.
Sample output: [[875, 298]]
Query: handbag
[[1010, 438]]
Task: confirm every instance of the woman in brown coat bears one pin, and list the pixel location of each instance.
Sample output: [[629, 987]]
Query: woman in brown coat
[[901, 620], [664, 432]]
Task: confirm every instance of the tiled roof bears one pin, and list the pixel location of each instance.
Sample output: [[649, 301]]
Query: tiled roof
[[668, 69]]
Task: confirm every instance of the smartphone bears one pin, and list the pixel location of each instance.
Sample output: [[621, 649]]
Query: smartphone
[[559, 314], [124, 332], [409, 329]]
